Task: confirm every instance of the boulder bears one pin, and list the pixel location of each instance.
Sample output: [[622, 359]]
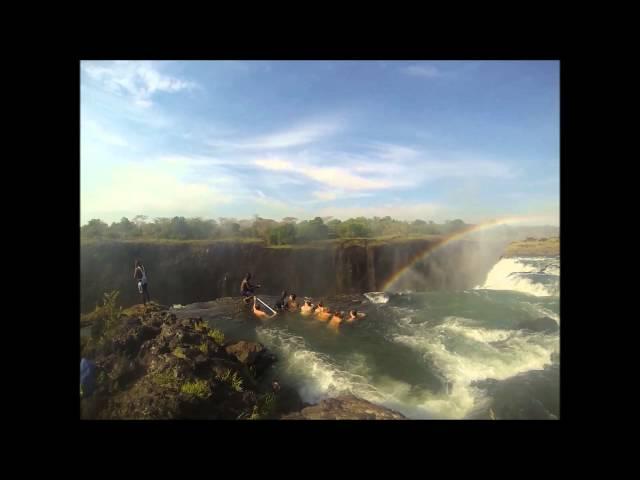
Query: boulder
[[251, 354], [344, 407]]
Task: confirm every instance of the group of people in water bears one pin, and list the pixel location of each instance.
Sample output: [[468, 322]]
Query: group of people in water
[[288, 303]]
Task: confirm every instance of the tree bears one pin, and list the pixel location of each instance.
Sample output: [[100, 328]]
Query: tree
[[312, 230], [140, 220], [355, 227], [179, 229], [123, 229], [96, 228], [261, 227], [454, 225], [284, 234]]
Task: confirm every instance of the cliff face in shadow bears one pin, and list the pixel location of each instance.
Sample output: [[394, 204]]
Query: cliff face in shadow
[[188, 272]]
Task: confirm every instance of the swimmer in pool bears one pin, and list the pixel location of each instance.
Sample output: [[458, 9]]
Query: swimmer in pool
[[355, 315], [336, 320]]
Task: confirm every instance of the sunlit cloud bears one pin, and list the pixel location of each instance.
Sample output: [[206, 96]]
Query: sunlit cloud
[[139, 81]]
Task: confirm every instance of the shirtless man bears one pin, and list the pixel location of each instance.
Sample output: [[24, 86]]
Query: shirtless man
[[292, 305], [307, 308], [324, 315], [257, 311], [247, 290], [336, 320]]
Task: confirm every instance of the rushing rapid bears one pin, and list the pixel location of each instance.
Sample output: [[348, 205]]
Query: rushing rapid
[[488, 352]]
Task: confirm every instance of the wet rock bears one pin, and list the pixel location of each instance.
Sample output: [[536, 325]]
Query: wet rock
[[251, 354], [544, 324], [345, 407], [133, 322], [289, 400]]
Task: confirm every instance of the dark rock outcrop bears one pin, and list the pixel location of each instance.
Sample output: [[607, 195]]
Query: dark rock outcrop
[[152, 365], [149, 365], [345, 407], [251, 354], [544, 324]]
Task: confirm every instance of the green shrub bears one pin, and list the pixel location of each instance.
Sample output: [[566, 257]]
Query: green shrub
[[234, 381], [104, 318], [166, 379], [216, 335], [179, 352], [197, 388], [265, 408]]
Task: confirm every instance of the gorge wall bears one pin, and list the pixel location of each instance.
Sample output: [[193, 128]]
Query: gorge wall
[[187, 272]]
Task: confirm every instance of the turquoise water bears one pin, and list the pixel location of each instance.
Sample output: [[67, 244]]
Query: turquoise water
[[429, 355]]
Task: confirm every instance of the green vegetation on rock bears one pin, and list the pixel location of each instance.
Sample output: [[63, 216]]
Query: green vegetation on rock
[[265, 408], [179, 352], [216, 335], [234, 381], [197, 388]]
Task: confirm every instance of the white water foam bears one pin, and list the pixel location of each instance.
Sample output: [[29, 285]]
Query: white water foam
[[377, 297], [317, 376], [542, 311], [517, 274], [465, 353]]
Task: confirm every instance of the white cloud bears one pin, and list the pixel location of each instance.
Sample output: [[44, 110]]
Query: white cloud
[[338, 177], [426, 71], [136, 189], [297, 136], [273, 164], [139, 80], [193, 161], [387, 167]]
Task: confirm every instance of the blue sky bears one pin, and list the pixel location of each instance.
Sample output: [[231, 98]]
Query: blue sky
[[434, 140]]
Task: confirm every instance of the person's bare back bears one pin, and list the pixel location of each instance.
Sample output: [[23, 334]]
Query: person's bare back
[[257, 311]]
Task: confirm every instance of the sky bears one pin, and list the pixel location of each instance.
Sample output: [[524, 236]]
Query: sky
[[431, 140]]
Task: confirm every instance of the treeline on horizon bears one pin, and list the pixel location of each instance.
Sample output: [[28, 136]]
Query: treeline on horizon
[[288, 231]]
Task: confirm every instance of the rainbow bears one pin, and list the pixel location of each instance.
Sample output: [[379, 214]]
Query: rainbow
[[424, 254]]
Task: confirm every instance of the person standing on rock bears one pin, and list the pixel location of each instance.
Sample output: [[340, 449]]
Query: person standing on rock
[[140, 275]]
